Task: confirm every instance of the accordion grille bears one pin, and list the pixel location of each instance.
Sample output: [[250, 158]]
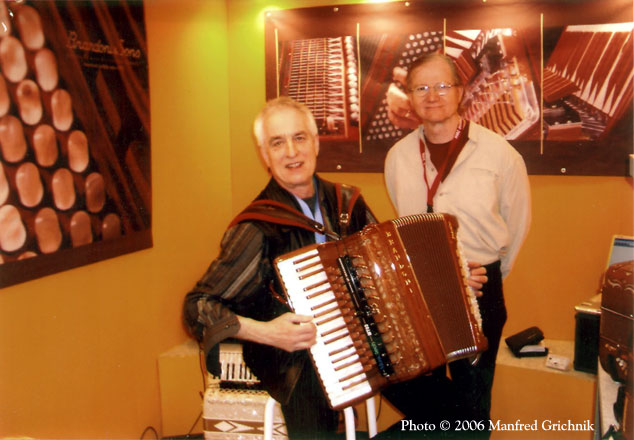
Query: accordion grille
[[441, 293]]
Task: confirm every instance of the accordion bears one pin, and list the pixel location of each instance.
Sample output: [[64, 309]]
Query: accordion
[[390, 303], [234, 405], [617, 316]]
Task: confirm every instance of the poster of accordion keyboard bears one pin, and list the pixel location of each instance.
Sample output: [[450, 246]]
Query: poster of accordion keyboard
[[74, 135], [553, 78]]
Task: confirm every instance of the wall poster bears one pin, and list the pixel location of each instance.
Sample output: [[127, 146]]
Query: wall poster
[[553, 77], [74, 135]]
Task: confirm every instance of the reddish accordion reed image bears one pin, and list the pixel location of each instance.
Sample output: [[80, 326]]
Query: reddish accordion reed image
[[555, 82], [75, 184]]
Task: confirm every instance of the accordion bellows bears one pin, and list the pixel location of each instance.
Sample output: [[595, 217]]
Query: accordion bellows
[[390, 303]]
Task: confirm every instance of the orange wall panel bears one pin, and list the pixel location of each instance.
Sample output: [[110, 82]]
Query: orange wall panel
[[79, 349]]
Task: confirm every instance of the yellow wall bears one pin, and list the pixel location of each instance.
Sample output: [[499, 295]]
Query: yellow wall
[[79, 349]]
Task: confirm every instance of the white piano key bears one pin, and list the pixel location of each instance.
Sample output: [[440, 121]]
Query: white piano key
[[333, 346], [343, 356], [333, 384], [337, 379], [336, 336], [357, 386], [330, 325], [314, 304], [325, 349], [343, 387], [306, 283], [350, 371], [346, 366], [342, 400], [341, 368], [336, 313], [305, 256], [300, 264], [320, 353], [308, 266]]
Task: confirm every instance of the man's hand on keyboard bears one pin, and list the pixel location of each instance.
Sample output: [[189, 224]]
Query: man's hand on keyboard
[[289, 331]]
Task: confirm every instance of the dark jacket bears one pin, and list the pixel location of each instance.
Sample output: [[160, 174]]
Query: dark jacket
[[277, 369]]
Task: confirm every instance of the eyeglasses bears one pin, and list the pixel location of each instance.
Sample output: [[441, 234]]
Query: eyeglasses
[[440, 88]]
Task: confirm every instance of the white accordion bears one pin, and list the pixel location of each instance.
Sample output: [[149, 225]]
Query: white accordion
[[234, 407]]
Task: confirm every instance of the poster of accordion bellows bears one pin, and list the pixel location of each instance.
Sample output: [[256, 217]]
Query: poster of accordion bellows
[[554, 78], [75, 182]]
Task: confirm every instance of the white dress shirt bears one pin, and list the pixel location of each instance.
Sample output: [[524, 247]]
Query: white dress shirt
[[487, 190]]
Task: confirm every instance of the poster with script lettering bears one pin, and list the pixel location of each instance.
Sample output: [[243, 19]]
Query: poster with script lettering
[[74, 135]]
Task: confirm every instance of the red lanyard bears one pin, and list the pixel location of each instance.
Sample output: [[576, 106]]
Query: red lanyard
[[431, 191]]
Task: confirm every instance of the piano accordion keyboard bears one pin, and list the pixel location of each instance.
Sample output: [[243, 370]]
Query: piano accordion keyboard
[[233, 369], [335, 354]]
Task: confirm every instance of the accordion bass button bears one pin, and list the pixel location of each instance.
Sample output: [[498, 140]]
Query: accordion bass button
[[29, 185], [78, 154], [12, 141], [63, 189], [13, 59], [61, 109], [80, 229], [111, 227], [30, 27], [29, 103], [12, 230], [46, 69], [45, 145], [47, 231]]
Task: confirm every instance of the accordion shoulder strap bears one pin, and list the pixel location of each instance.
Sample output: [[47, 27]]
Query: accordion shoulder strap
[[347, 196], [275, 212]]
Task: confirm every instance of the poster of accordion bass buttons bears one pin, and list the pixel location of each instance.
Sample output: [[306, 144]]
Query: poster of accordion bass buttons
[[75, 183]]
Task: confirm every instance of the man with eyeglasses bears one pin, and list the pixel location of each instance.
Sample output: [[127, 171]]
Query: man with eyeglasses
[[451, 165]]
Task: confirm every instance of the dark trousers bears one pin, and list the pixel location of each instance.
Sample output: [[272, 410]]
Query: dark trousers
[[474, 383], [307, 414], [467, 396]]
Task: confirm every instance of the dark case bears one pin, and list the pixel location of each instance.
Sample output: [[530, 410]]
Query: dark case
[[530, 336]]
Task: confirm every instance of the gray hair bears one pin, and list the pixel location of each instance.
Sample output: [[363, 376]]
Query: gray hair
[[276, 104]]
